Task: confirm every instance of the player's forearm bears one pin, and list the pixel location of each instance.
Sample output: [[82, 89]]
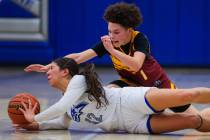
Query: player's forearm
[[82, 56], [62, 122], [127, 60]]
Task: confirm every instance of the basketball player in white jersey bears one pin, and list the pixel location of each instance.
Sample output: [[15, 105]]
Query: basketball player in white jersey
[[129, 109]]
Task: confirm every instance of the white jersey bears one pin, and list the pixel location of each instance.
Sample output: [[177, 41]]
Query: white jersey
[[84, 111], [127, 110]]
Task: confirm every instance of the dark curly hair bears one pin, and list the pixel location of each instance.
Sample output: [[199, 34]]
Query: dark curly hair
[[94, 87], [125, 14]]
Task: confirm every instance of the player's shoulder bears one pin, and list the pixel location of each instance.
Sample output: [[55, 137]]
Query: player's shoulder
[[78, 77], [77, 81], [140, 35]]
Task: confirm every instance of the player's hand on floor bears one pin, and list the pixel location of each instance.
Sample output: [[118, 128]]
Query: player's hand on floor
[[29, 112], [30, 126]]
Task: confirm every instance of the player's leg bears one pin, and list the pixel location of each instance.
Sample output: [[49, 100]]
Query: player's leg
[[181, 109], [188, 108], [164, 98], [161, 99], [205, 114], [161, 123]]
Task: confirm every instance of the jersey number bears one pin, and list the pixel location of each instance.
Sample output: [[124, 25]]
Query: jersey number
[[91, 118]]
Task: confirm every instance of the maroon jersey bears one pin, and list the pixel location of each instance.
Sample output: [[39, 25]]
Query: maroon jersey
[[150, 74]]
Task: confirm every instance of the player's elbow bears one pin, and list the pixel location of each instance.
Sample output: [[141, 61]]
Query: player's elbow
[[136, 67], [61, 109]]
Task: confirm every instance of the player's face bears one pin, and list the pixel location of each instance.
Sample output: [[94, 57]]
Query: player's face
[[54, 74], [119, 35]]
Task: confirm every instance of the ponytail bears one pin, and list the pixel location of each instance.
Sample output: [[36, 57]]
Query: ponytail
[[94, 88]]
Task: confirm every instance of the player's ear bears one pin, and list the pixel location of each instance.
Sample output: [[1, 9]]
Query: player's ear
[[130, 29], [65, 72]]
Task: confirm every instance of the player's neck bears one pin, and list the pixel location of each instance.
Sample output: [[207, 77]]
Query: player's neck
[[62, 85]]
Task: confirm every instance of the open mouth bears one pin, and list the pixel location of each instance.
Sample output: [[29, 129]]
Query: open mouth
[[48, 78], [115, 42]]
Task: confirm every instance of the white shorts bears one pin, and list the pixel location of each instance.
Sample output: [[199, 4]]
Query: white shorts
[[135, 110]]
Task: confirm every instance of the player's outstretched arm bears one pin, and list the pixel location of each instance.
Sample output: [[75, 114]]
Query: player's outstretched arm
[[82, 56], [78, 57], [29, 126], [37, 68], [62, 122]]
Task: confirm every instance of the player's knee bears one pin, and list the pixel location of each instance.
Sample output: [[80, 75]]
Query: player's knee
[[189, 95], [194, 121]]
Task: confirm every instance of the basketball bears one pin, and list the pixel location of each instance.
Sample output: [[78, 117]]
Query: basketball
[[14, 104]]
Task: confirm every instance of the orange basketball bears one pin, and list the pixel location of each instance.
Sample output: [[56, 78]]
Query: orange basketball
[[14, 113]]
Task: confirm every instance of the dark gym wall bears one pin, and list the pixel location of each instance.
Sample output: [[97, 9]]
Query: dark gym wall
[[178, 30]]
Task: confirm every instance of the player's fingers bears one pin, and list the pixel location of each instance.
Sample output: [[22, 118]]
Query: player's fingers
[[16, 126], [30, 66], [103, 41], [34, 107], [103, 38], [29, 104], [33, 67], [24, 105], [44, 69], [22, 110], [47, 67], [20, 126], [27, 69]]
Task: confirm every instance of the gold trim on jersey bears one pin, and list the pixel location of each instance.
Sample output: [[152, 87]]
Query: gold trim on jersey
[[143, 75], [117, 63], [172, 85], [134, 33]]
